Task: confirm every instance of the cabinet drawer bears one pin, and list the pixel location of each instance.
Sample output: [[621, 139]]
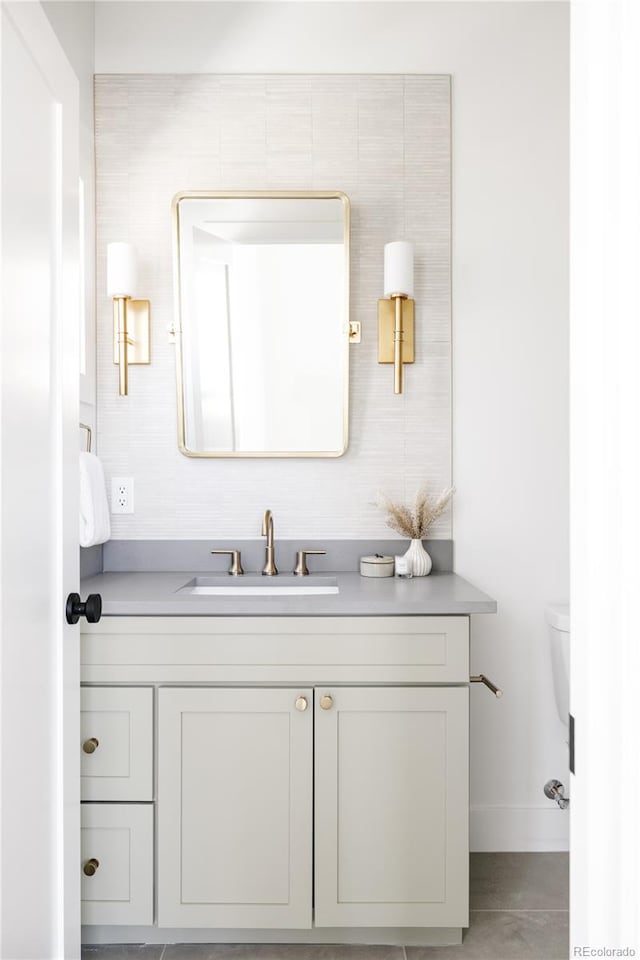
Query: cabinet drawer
[[116, 727], [300, 650], [117, 844]]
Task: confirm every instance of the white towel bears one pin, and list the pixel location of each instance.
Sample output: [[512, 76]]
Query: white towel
[[95, 525]]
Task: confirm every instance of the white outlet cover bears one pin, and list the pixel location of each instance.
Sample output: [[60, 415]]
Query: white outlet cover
[[122, 495]]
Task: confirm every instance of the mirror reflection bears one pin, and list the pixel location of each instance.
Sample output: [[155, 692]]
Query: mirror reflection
[[262, 288]]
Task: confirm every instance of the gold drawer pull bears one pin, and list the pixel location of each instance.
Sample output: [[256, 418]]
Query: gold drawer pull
[[301, 703], [326, 701], [90, 746], [90, 867]]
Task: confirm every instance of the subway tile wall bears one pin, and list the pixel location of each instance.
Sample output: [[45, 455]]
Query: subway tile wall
[[383, 140]]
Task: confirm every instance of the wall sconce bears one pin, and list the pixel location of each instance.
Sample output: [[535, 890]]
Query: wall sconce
[[396, 315], [130, 317]]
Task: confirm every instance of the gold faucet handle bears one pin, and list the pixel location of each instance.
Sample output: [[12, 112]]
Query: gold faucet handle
[[301, 568], [235, 570]]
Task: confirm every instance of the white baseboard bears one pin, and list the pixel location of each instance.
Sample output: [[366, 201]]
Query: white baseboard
[[530, 829]]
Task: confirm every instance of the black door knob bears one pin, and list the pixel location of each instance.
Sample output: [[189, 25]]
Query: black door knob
[[91, 608]]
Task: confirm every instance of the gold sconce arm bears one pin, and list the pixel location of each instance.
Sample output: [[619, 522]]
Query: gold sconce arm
[[131, 336], [121, 340], [131, 327], [397, 347], [396, 339], [396, 315]]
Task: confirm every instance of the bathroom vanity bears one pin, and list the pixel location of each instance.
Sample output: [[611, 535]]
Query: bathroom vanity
[[251, 774]]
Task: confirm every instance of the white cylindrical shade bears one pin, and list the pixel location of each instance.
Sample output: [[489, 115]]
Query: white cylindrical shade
[[122, 270], [398, 268]]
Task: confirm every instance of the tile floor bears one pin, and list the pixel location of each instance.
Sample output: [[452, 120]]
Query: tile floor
[[519, 911]]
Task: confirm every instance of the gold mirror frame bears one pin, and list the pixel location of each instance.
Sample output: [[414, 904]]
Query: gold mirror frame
[[177, 328]]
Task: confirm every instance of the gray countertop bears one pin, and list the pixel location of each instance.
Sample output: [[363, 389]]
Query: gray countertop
[[155, 594]]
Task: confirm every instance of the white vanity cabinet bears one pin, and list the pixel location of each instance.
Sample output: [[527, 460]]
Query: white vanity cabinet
[[311, 780]]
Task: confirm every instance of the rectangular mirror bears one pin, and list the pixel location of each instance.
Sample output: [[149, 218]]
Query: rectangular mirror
[[262, 299]]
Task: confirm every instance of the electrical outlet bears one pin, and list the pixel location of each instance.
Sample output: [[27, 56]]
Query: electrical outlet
[[122, 495]]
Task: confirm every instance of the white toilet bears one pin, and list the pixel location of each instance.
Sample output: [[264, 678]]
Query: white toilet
[[557, 617]]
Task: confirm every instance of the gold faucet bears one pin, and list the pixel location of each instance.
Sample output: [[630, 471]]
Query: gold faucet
[[269, 569]]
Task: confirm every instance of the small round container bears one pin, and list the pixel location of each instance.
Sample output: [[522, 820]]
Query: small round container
[[377, 566]]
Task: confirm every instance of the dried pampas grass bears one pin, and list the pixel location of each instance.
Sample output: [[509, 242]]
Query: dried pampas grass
[[415, 523]]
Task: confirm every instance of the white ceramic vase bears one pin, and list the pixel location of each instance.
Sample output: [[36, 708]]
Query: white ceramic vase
[[419, 559]]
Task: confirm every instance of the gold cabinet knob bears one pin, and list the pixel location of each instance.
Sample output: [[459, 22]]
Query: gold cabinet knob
[[301, 703], [326, 701], [90, 746], [90, 867]]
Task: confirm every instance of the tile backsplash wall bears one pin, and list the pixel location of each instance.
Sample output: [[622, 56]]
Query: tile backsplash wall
[[384, 141]]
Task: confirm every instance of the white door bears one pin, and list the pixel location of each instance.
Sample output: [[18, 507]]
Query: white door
[[605, 477], [39, 652], [234, 808], [392, 807]]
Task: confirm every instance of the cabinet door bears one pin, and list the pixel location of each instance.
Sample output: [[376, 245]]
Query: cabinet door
[[391, 807], [235, 807]]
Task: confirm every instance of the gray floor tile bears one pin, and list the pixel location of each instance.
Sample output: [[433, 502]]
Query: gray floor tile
[[519, 881], [123, 951], [279, 951], [504, 935], [518, 904]]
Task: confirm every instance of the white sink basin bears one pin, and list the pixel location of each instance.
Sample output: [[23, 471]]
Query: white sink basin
[[259, 586]]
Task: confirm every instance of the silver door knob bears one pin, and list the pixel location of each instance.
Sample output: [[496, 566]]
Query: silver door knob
[[301, 703], [326, 701]]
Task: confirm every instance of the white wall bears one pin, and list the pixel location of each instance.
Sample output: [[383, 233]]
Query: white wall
[[509, 67], [237, 133]]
